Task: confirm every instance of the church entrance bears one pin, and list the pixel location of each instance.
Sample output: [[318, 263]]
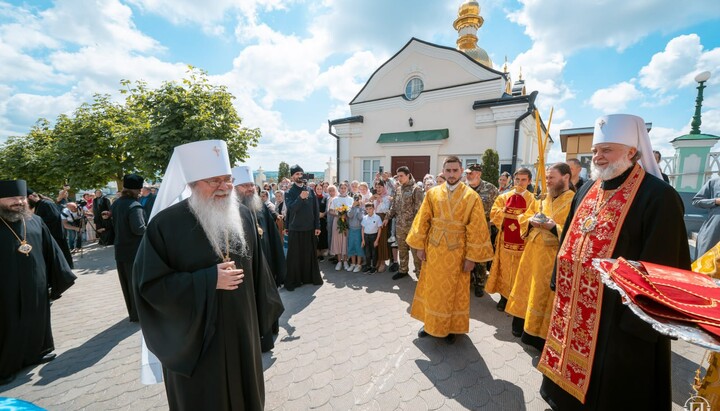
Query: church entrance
[[418, 165]]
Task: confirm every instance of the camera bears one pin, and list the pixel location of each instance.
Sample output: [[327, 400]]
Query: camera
[[307, 176], [381, 169], [357, 197]]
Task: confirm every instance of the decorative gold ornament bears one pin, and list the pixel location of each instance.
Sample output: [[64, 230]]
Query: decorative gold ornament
[[24, 248]]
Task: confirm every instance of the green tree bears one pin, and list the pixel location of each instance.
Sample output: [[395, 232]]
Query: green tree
[[491, 166], [283, 170], [31, 157], [93, 145], [179, 113]]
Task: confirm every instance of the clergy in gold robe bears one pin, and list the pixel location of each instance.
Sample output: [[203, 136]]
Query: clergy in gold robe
[[708, 386], [531, 298], [508, 215], [450, 235]]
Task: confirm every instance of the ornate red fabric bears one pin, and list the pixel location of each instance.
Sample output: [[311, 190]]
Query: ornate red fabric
[[670, 292], [512, 238]]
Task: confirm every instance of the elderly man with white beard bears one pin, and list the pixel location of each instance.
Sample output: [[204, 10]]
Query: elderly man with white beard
[[598, 355], [201, 290], [267, 234]]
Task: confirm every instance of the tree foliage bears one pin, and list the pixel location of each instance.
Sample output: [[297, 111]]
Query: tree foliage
[[283, 170], [491, 166], [180, 113], [103, 140]]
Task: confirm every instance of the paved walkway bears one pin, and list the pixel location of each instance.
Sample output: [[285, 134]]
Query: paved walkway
[[349, 344]]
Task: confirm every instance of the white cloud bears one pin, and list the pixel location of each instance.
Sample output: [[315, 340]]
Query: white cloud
[[615, 98], [96, 23], [344, 81], [569, 25], [28, 108], [674, 67], [542, 70]]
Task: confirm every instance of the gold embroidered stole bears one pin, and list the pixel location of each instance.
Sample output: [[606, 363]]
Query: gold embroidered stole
[[572, 337]]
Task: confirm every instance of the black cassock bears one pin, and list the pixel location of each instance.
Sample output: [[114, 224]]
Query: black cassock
[[48, 211], [631, 368], [207, 340], [274, 258], [28, 284]]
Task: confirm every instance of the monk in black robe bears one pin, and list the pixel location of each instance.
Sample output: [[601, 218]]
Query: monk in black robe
[[102, 219], [303, 225], [631, 368], [46, 209], [267, 236], [203, 301], [33, 271]]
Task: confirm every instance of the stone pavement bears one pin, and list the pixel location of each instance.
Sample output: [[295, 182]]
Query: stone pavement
[[349, 344]]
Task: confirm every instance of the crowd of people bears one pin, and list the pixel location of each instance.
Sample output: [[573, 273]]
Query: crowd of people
[[200, 269]]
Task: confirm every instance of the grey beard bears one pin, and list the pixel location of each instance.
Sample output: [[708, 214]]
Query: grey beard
[[611, 170], [220, 220], [13, 216], [252, 202]]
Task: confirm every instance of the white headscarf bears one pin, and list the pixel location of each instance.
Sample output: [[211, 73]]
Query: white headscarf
[[628, 130]]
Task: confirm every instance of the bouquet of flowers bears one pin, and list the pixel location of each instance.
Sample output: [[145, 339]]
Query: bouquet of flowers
[[342, 222]]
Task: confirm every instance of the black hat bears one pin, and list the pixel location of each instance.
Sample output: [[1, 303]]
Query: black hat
[[473, 167], [296, 169], [13, 188], [132, 181], [30, 191]]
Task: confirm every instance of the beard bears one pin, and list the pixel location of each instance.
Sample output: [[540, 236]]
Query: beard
[[253, 202], [610, 171], [557, 189], [15, 213], [221, 222]]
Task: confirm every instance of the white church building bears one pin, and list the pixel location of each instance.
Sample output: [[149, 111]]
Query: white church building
[[428, 102]]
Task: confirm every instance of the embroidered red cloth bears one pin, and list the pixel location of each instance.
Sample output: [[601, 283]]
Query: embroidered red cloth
[[512, 238], [670, 292], [569, 352]]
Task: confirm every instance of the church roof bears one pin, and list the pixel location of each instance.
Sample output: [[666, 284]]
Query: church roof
[[690, 137], [439, 47]]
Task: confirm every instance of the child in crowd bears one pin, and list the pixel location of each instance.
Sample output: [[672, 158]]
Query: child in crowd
[[354, 241], [339, 242], [371, 228]]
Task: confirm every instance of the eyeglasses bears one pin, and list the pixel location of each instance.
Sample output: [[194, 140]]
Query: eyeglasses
[[218, 181]]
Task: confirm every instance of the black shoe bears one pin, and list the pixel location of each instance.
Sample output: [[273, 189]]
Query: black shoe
[[321, 258], [372, 271], [366, 268], [422, 333], [517, 326], [333, 260], [501, 304], [479, 292], [399, 275], [7, 380], [450, 339], [46, 358], [394, 267]]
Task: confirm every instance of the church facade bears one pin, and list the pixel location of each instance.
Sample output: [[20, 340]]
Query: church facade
[[428, 102]]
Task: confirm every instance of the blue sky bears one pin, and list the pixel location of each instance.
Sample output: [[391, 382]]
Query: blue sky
[[294, 64]]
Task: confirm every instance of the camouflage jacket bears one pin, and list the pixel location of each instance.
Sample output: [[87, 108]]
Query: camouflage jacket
[[488, 193], [405, 205]]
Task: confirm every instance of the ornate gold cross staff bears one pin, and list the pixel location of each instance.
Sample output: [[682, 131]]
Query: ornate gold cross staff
[[542, 144]]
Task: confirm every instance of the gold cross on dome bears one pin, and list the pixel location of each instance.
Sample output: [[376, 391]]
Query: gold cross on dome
[[216, 149]]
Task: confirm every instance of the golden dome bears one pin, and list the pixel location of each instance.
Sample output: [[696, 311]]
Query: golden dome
[[467, 24]]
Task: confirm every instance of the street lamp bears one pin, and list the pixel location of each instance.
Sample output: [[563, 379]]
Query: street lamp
[[696, 121]]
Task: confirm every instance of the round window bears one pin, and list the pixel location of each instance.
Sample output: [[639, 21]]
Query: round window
[[413, 88]]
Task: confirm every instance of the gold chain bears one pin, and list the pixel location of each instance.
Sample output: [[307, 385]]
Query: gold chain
[[24, 248]]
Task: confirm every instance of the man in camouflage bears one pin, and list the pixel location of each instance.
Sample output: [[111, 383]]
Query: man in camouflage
[[488, 193], [406, 204]]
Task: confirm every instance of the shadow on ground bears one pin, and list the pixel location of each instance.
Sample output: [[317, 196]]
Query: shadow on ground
[[88, 354], [404, 288], [459, 372]]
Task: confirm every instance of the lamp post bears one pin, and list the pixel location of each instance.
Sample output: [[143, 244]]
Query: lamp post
[[696, 121]]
